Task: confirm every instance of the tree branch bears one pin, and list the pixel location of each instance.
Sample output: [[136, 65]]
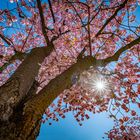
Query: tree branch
[[35, 107], [50, 5], [116, 56], [43, 22], [8, 41], [64, 81], [18, 55], [112, 17], [56, 37]]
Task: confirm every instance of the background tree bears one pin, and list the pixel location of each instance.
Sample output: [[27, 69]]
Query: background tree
[[61, 48]]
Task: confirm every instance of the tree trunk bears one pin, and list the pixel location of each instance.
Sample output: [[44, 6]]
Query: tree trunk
[[24, 123], [15, 92], [12, 129], [17, 87]]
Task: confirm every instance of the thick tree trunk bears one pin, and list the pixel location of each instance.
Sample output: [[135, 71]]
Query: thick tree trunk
[[17, 87], [24, 124], [16, 91], [12, 128]]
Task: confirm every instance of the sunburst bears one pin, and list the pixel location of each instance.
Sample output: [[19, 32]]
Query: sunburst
[[100, 85], [96, 83]]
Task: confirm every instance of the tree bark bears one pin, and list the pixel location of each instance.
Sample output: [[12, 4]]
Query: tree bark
[[17, 87], [11, 129], [25, 122]]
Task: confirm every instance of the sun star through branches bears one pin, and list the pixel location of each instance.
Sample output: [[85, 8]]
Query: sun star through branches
[[96, 83], [100, 85]]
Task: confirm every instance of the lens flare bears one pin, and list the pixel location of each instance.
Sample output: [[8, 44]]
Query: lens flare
[[100, 85], [95, 83]]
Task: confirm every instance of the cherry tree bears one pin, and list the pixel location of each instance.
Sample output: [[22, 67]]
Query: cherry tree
[[131, 127], [84, 53]]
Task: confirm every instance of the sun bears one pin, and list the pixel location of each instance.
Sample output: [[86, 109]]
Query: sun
[[95, 83], [100, 85]]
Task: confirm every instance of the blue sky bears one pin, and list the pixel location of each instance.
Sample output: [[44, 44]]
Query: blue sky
[[69, 129]]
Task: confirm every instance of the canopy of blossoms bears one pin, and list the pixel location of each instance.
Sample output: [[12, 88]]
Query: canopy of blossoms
[[94, 27]]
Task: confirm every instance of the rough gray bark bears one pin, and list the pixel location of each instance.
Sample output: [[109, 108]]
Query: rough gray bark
[[17, 87], [24, 122], [11, 129]]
